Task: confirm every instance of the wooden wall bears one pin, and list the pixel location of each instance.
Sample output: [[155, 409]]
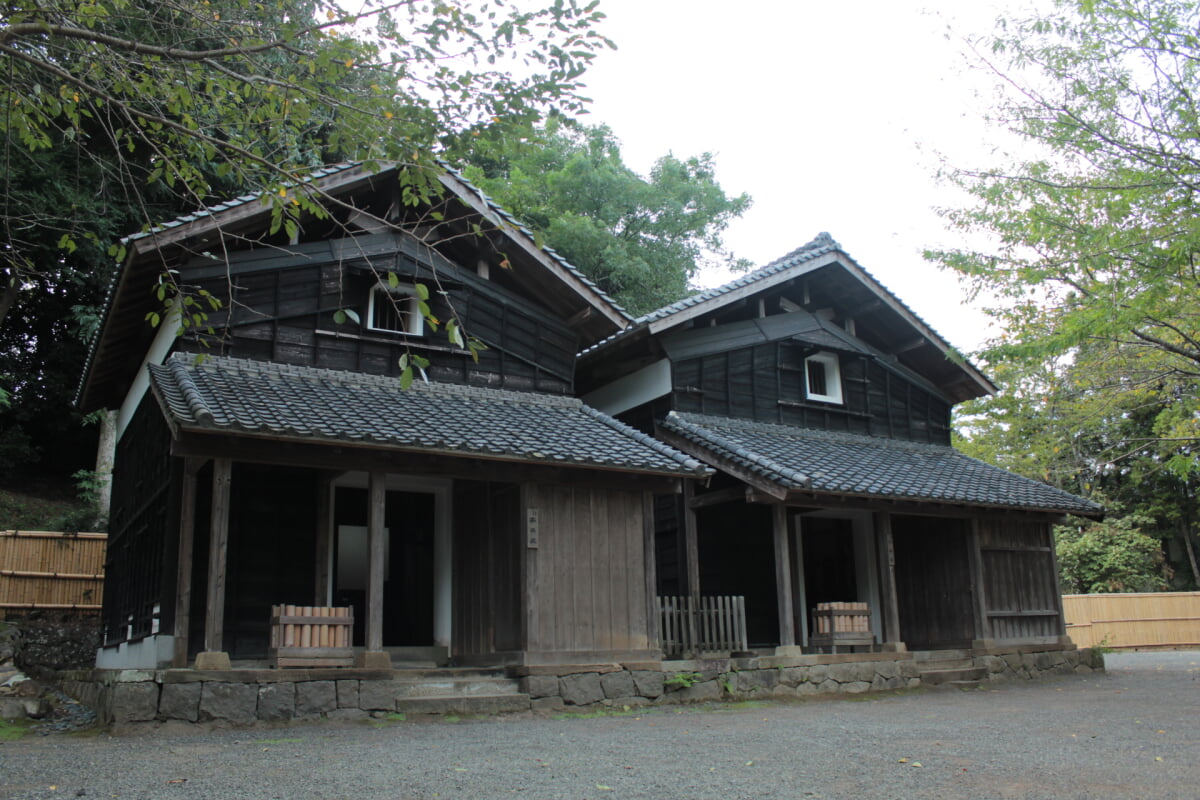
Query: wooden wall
[[486, 568], [1020, 584], [1161, 619], [50, 570], [933, 583], [591, 592], [766, 382]]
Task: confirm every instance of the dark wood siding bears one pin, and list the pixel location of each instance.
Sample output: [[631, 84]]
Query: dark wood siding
[[591, 588], [1021, 594], [487, 569], [933, 584], [766, 383]]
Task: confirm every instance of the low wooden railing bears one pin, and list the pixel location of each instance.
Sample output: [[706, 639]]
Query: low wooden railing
[[694, 625], [311, 636]]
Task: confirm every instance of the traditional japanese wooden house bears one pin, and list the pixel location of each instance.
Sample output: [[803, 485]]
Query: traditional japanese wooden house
[[269, 455], [823, 403]]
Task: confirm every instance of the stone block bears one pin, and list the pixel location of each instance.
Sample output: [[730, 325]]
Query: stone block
[[993, 664], [347, 694], [829, 686], [617, 684], [757, 680], [649, 683], [866, 671], [707, 690], [540, 686], [547, 704], [377, 695], [908, 668], [808, 687], [581, 689], [180, 701], [856, 687], [230, 702], [315, 697], [793, 676], [1083, 669], [276, 701], [843, 673], [887, 669], [348, 714], [783, 690], [817, 673], [135, 702]]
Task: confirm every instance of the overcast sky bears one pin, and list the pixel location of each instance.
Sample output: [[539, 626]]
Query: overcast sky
[[832, 116]]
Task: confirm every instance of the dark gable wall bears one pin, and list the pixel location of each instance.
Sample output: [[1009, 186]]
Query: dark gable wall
[[765, 382], [279, 305]]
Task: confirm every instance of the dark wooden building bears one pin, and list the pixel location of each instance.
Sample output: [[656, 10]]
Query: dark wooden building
[[269, 456], [823, 403]]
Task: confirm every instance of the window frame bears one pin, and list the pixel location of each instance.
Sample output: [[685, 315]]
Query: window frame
[[833, 379], [405, 294]]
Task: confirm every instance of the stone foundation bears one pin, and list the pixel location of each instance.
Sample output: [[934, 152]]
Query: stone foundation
[[247, 697]]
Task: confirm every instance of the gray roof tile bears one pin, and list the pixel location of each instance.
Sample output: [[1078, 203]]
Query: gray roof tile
[[216, 393], [850, 464]]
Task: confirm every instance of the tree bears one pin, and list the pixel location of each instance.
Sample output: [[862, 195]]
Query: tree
[[1109, 556], [256, 93], [640, 239]]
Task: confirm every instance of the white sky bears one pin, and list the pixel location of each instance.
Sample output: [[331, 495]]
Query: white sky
[[830, 115]]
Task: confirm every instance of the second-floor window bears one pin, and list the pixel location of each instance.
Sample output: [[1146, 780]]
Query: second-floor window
[[822, 378], [395, 309]]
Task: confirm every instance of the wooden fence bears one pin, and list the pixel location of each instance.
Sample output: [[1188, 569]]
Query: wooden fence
[[47, 570], [1164, 619], [691, 625]]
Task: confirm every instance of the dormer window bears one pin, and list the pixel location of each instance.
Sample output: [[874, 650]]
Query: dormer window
[[822, 378], [396, 309]]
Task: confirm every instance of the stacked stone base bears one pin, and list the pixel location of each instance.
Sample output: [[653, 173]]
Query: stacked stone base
[[247, 697]]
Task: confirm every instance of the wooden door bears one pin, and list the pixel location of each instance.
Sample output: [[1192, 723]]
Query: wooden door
[[933, 582]]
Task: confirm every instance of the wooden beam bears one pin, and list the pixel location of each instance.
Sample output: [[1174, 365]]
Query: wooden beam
[[979, 604], [725, 465], [734, 494], [218, 546], [691, 545], [376, 500], [888, 599], [579, 317], [783, 576], [183, 580]]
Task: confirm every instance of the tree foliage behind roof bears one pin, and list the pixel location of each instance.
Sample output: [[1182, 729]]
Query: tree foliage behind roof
[[641, 239]]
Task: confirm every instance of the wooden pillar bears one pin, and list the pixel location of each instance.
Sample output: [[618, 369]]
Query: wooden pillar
[[890, 612], [324, 553], [783, 576], [531, 518], [983, 631], [214, 655], [653, 640], [183, 582], [1048, 540], [376, 499], [691, 547]]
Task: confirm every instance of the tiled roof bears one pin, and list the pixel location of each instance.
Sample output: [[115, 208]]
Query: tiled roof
[[219, 394], [867, 466]]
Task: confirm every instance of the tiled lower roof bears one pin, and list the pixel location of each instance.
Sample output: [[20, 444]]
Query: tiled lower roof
[[867, 466], [219, 394]]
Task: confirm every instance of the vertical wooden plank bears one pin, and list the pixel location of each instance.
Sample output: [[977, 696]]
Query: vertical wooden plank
[[579, 530], [979, 600], [783, 576], [218, 546], [324, 549], [886, 552], [1047, 537], [597, 528], [532, 635], [691, 543], [377, 497], [183, 580]]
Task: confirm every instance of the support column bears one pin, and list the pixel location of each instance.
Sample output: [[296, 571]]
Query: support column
[[183, 582], [783, 576], [983, 630], [214, 655], [374, 657], [653, 636], [324, 545], [691, 546], [890, 612]]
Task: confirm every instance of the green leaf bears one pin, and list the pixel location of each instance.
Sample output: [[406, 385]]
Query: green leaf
[[339, 316]]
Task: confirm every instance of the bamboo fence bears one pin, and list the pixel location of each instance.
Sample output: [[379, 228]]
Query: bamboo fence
[[50, 570], [1150, 620]]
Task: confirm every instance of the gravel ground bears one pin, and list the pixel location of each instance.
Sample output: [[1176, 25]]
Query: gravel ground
[[1131, 733]]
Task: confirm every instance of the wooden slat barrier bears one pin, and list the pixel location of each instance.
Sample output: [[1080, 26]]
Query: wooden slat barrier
[[1151, 619], [51, 570], [702, 625], [311, 636], [843, 624]]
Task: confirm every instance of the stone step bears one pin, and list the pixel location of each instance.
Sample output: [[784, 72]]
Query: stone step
[[940, 655], [461, 687], [452, 673], [937, 677], [946, 663], [464, 704]]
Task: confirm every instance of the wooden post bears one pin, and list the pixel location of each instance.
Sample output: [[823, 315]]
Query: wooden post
[[1048, 538], [377, 497], [691, 545], [531, 640], [890, 612], [214, 655], [183, 582], [783, 576], [978, 595], [653, 639], [324, 554]]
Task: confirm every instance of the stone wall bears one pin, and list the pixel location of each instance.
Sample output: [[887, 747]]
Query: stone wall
[[55, 641]]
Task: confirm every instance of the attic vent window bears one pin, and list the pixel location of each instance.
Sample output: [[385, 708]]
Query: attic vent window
[[395, 309], [822, 378]]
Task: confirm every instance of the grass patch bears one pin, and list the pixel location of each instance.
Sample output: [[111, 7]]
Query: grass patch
[[12, 730], [38, 508]]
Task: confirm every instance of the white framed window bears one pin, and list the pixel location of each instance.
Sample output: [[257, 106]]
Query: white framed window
[[823, 378], [395, 309]]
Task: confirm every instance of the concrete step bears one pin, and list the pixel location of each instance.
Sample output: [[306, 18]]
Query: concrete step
[[938, 677], [460, 687], [464, 704]]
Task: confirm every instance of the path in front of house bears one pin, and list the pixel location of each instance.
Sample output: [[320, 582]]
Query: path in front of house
[[1131, 733]]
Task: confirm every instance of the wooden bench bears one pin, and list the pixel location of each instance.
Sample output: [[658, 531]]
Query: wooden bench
[[311, 636], [841, 625]]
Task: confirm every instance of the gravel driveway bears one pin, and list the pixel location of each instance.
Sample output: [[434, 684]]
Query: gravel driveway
[[1131, 733]]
